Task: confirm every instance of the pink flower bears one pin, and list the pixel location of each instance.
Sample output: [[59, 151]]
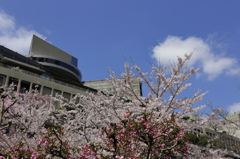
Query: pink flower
[[34, 155], [142, 120], [126, 115]]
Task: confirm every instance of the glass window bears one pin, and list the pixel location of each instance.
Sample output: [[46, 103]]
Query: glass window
[[24, 86], [74, 61], [47, 91], [1, 81], [13, 81], [41, 59], [55, 92], [36, 87], [56, 62], [66, 95]]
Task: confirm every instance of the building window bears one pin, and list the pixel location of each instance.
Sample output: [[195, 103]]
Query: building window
[[47, 91], [66, 95], [41, 59], [1, 81], [13, 81], [24, 86], [36, 87]]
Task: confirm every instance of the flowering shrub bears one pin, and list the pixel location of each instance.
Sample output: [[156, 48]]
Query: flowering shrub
[[140, 138], [50, 144], [20, 150], [53, 143], [132, 138]]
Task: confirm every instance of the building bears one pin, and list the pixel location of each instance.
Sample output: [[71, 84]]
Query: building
[[104, 85], [59, 63], [47, 67], [50, 69], [227, 134], [231, 125]]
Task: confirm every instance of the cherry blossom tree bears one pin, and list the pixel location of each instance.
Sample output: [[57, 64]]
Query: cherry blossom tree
[[104, 125]]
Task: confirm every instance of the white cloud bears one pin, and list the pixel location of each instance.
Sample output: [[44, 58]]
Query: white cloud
[[14, 37], [212, 65], [234, 108], [7, 22]]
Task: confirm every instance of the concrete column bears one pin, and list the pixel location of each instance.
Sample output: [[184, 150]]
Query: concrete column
[[51, 92], [30, 87], [19, 85], [204, 130], [41, 90], [6, 81]]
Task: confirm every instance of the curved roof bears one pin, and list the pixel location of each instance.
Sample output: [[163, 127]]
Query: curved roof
[[54, 58]]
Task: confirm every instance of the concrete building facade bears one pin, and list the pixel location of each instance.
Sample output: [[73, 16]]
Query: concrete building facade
[[104, 85], [47, 67], [55, 59]]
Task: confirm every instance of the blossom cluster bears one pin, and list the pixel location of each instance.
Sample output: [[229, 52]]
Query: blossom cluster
[[142, 138]]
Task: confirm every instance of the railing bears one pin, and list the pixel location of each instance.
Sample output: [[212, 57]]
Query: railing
[[44, 77]]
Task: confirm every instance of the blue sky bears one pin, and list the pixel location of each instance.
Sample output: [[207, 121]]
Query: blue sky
[[101, 33]]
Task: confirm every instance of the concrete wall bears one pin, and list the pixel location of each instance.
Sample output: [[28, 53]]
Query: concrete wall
[[104, 85], [41, 48], [33, 79]]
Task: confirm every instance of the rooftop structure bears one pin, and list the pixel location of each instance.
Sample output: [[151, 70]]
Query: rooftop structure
[[52, 57]]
